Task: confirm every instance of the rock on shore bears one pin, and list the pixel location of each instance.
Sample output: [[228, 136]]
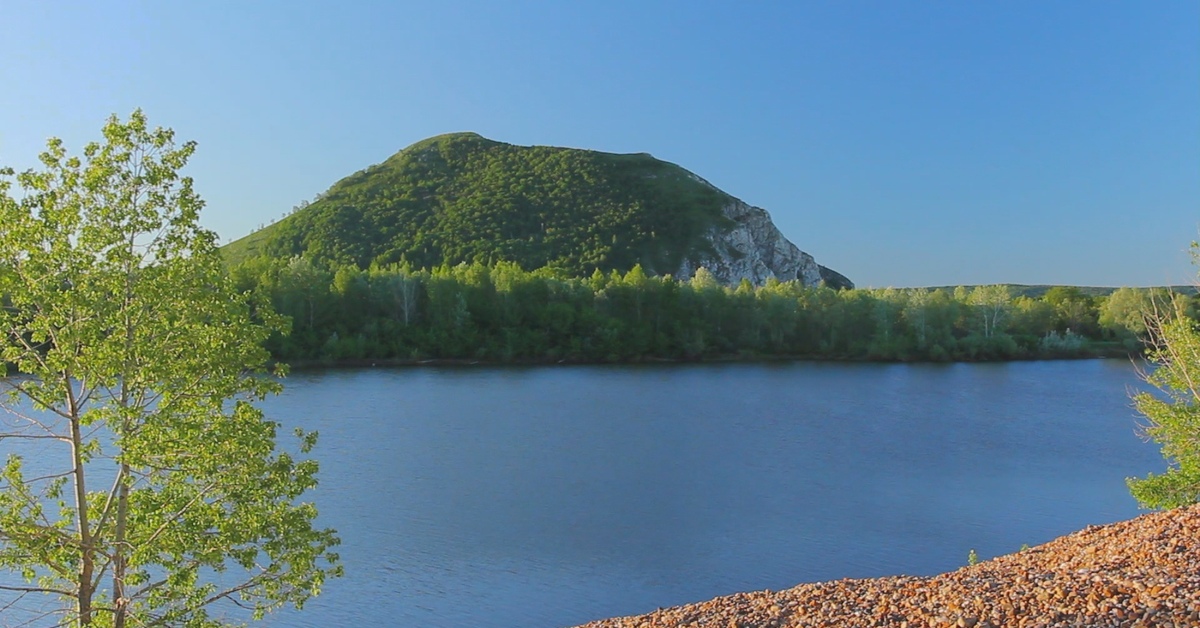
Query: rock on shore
[[1141, 572]]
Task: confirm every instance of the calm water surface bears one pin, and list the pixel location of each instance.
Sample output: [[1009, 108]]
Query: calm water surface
[[556, 495]]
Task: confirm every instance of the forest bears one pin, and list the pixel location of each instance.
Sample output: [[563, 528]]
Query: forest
[[502, 313]]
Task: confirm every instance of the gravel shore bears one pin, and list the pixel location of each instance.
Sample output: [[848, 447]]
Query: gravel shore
[[1141, 572]]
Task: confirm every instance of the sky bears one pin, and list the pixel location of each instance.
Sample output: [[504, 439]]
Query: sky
[[900, 143]]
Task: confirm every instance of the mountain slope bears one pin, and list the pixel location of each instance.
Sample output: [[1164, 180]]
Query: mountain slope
[[461, 197]]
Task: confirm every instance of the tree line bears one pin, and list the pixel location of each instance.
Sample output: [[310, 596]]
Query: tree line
[[503, 313]]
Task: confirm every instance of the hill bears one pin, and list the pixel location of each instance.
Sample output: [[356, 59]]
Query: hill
[[464, 198]]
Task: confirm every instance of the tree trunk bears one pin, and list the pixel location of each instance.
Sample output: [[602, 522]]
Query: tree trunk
[[87, 557], [121, 550]]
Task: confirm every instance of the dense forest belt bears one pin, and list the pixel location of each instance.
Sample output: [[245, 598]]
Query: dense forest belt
[[504, 314], [1141, 572]]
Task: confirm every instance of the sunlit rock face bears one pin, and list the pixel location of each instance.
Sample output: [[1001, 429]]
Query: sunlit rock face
[[754, 248]]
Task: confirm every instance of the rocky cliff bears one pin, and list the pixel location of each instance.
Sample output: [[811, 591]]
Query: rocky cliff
[[753, 248]]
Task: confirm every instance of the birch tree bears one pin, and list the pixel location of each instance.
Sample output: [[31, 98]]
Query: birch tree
[[1173, 415], [992, 304], [135, 365]]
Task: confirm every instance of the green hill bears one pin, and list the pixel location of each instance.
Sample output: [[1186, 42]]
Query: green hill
[[464, 198], [461, 197]]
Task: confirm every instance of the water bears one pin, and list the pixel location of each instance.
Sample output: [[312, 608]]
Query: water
[[553, 496]]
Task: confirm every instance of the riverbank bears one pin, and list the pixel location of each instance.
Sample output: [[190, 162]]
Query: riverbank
[[1140, 572]]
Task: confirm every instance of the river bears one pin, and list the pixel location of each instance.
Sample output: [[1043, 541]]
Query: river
[[550, 496]]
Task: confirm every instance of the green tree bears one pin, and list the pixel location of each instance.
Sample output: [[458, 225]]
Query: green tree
[[887, 339], [1032, 317], [139, 364], [398, 288], [1173, 417], [915, 313], [992, 304], [1124, 312], [304, 287], [1074, 309]]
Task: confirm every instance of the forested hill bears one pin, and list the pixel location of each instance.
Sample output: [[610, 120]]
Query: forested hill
[[464, 198]]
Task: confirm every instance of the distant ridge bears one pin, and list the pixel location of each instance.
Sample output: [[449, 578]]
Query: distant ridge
[[461, 197], [1036, 291]]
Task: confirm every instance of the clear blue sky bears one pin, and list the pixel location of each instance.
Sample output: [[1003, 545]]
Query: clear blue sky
[[901, 143]]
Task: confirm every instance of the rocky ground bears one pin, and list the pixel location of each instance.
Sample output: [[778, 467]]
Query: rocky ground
[[1141, 572]]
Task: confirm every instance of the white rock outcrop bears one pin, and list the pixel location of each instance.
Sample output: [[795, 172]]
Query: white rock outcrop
[[753, 248]]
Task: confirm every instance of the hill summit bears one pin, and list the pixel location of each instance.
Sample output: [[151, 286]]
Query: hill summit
[[461, 197]]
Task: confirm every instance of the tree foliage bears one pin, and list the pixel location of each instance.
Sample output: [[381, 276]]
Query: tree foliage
[[142, 486], [1173, 415]]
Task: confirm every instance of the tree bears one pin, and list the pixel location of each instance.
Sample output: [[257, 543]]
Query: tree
[[139, 362], [915, 312], [1173, 417], [1123, 313], [398, 287], [304, 287], [1074, 310], [992, 303]]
